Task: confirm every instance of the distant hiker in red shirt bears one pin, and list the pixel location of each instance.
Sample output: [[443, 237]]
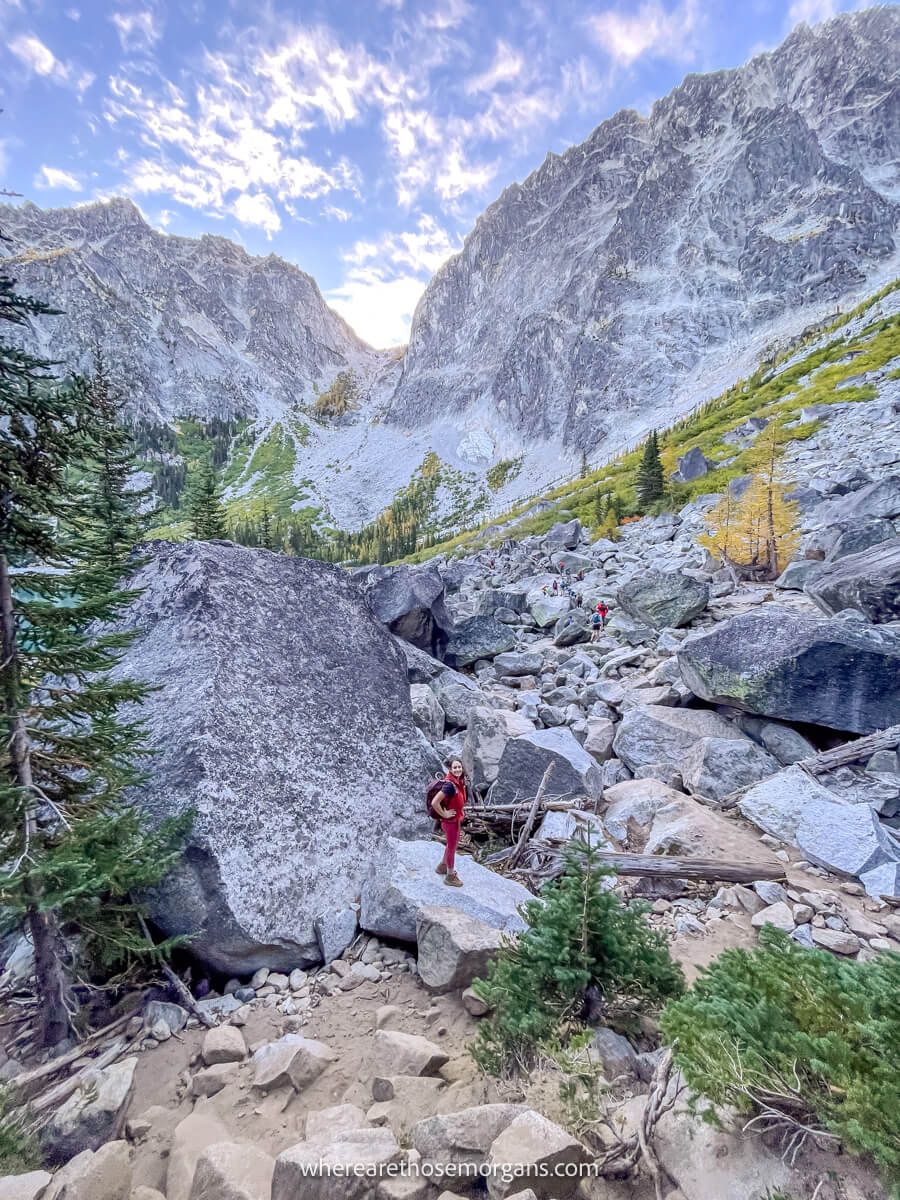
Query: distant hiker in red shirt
[[603, 610], [449, 805]]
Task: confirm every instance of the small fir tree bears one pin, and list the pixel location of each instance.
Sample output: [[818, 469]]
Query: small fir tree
[[266, 536], [71, 851], [580, 936], [206, 511], [650, 483]]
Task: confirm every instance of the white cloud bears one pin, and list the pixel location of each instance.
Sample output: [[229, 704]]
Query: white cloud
[[387, 276], [379, 309], [423, 249], [40, 60], [507, 66], [257, 209], [35, 55], [336, 214], [53, 177], [137, 30], [652, 29], [811, 11]]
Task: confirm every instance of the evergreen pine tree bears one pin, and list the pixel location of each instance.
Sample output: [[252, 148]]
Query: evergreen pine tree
[[579, 936], [266, 538], [205, 508], [114, 516], [71, 851], [650, 482]]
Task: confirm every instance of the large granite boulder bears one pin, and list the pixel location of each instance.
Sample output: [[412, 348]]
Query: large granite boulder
[[565, 535], [452, 948], [691, 466], [663, 599], [525, 759], [715, 767], [654, 733], [572, 628], [868, 581], [411, 604], [282, 709], [93, 1114], [781, 663], [403, 883], [475, 638], [489, 729]]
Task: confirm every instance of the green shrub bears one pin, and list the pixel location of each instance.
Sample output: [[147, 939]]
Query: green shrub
[[580, 937], [809, 1035], [503, 472]]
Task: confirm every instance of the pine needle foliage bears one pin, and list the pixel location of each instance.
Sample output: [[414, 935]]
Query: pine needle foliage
[[803, 1032], [580, 936], [71, 850], [206, 512], [650, 483]]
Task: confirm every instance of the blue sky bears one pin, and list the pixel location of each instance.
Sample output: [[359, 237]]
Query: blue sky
[[359, 140]]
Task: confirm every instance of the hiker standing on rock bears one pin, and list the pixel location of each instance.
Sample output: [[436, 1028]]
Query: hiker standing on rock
[[448, 805]]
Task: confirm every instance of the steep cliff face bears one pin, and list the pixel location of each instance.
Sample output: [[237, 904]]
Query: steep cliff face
[[602, 292], [194, 325]]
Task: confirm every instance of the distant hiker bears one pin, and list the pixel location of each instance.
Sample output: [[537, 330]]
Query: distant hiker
[[579, 600], [579, 578], [555, 588], [596, 626], [562, 567], [603, 613], [449, 805]]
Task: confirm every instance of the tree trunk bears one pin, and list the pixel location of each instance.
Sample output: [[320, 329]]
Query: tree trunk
[[49, 957]]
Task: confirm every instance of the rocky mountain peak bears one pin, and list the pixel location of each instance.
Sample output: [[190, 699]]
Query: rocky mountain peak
[[652, 261]]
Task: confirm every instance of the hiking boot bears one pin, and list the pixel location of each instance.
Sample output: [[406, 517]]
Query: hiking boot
[[453, 880], [441, 869]]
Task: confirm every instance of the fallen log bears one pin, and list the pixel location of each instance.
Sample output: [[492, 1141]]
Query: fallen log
[[22, 1084], [659, 866], [840, 756], [39, 1108]]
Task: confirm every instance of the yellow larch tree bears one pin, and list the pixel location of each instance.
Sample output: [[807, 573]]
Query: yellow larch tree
[[756, 535]]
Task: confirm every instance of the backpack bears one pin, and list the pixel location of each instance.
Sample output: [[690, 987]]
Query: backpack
[[430, 792], [596, 620]]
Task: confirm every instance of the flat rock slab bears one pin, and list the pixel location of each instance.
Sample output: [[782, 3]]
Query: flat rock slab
[[654, 733], [397, 1053], [290, 1061], [777, 804], [404, 883], [526, 758], [254, 726], [463, 1137], [93, 1114], [868, 582], [453, 948], [28, 1186], [343, 1165], [233, 1171], [780, 663]]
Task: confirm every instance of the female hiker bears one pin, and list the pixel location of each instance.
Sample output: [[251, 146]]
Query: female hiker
[[449, 806]]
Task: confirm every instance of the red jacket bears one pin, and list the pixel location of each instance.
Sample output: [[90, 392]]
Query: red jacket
[[457, 802]]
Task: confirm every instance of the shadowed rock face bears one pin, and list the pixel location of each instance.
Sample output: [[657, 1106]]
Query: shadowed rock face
[[588, 294], [868, 581], [283, 718], [783, 664]]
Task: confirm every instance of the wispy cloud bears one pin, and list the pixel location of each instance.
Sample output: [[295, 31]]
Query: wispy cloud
[[53, 178], [508, 65], [650, 30], [137, 30], [40, 60]]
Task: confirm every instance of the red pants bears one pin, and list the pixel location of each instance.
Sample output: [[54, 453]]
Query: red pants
[[451, 833]]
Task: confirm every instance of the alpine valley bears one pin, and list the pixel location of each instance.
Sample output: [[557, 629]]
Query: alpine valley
[[619, 287]]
